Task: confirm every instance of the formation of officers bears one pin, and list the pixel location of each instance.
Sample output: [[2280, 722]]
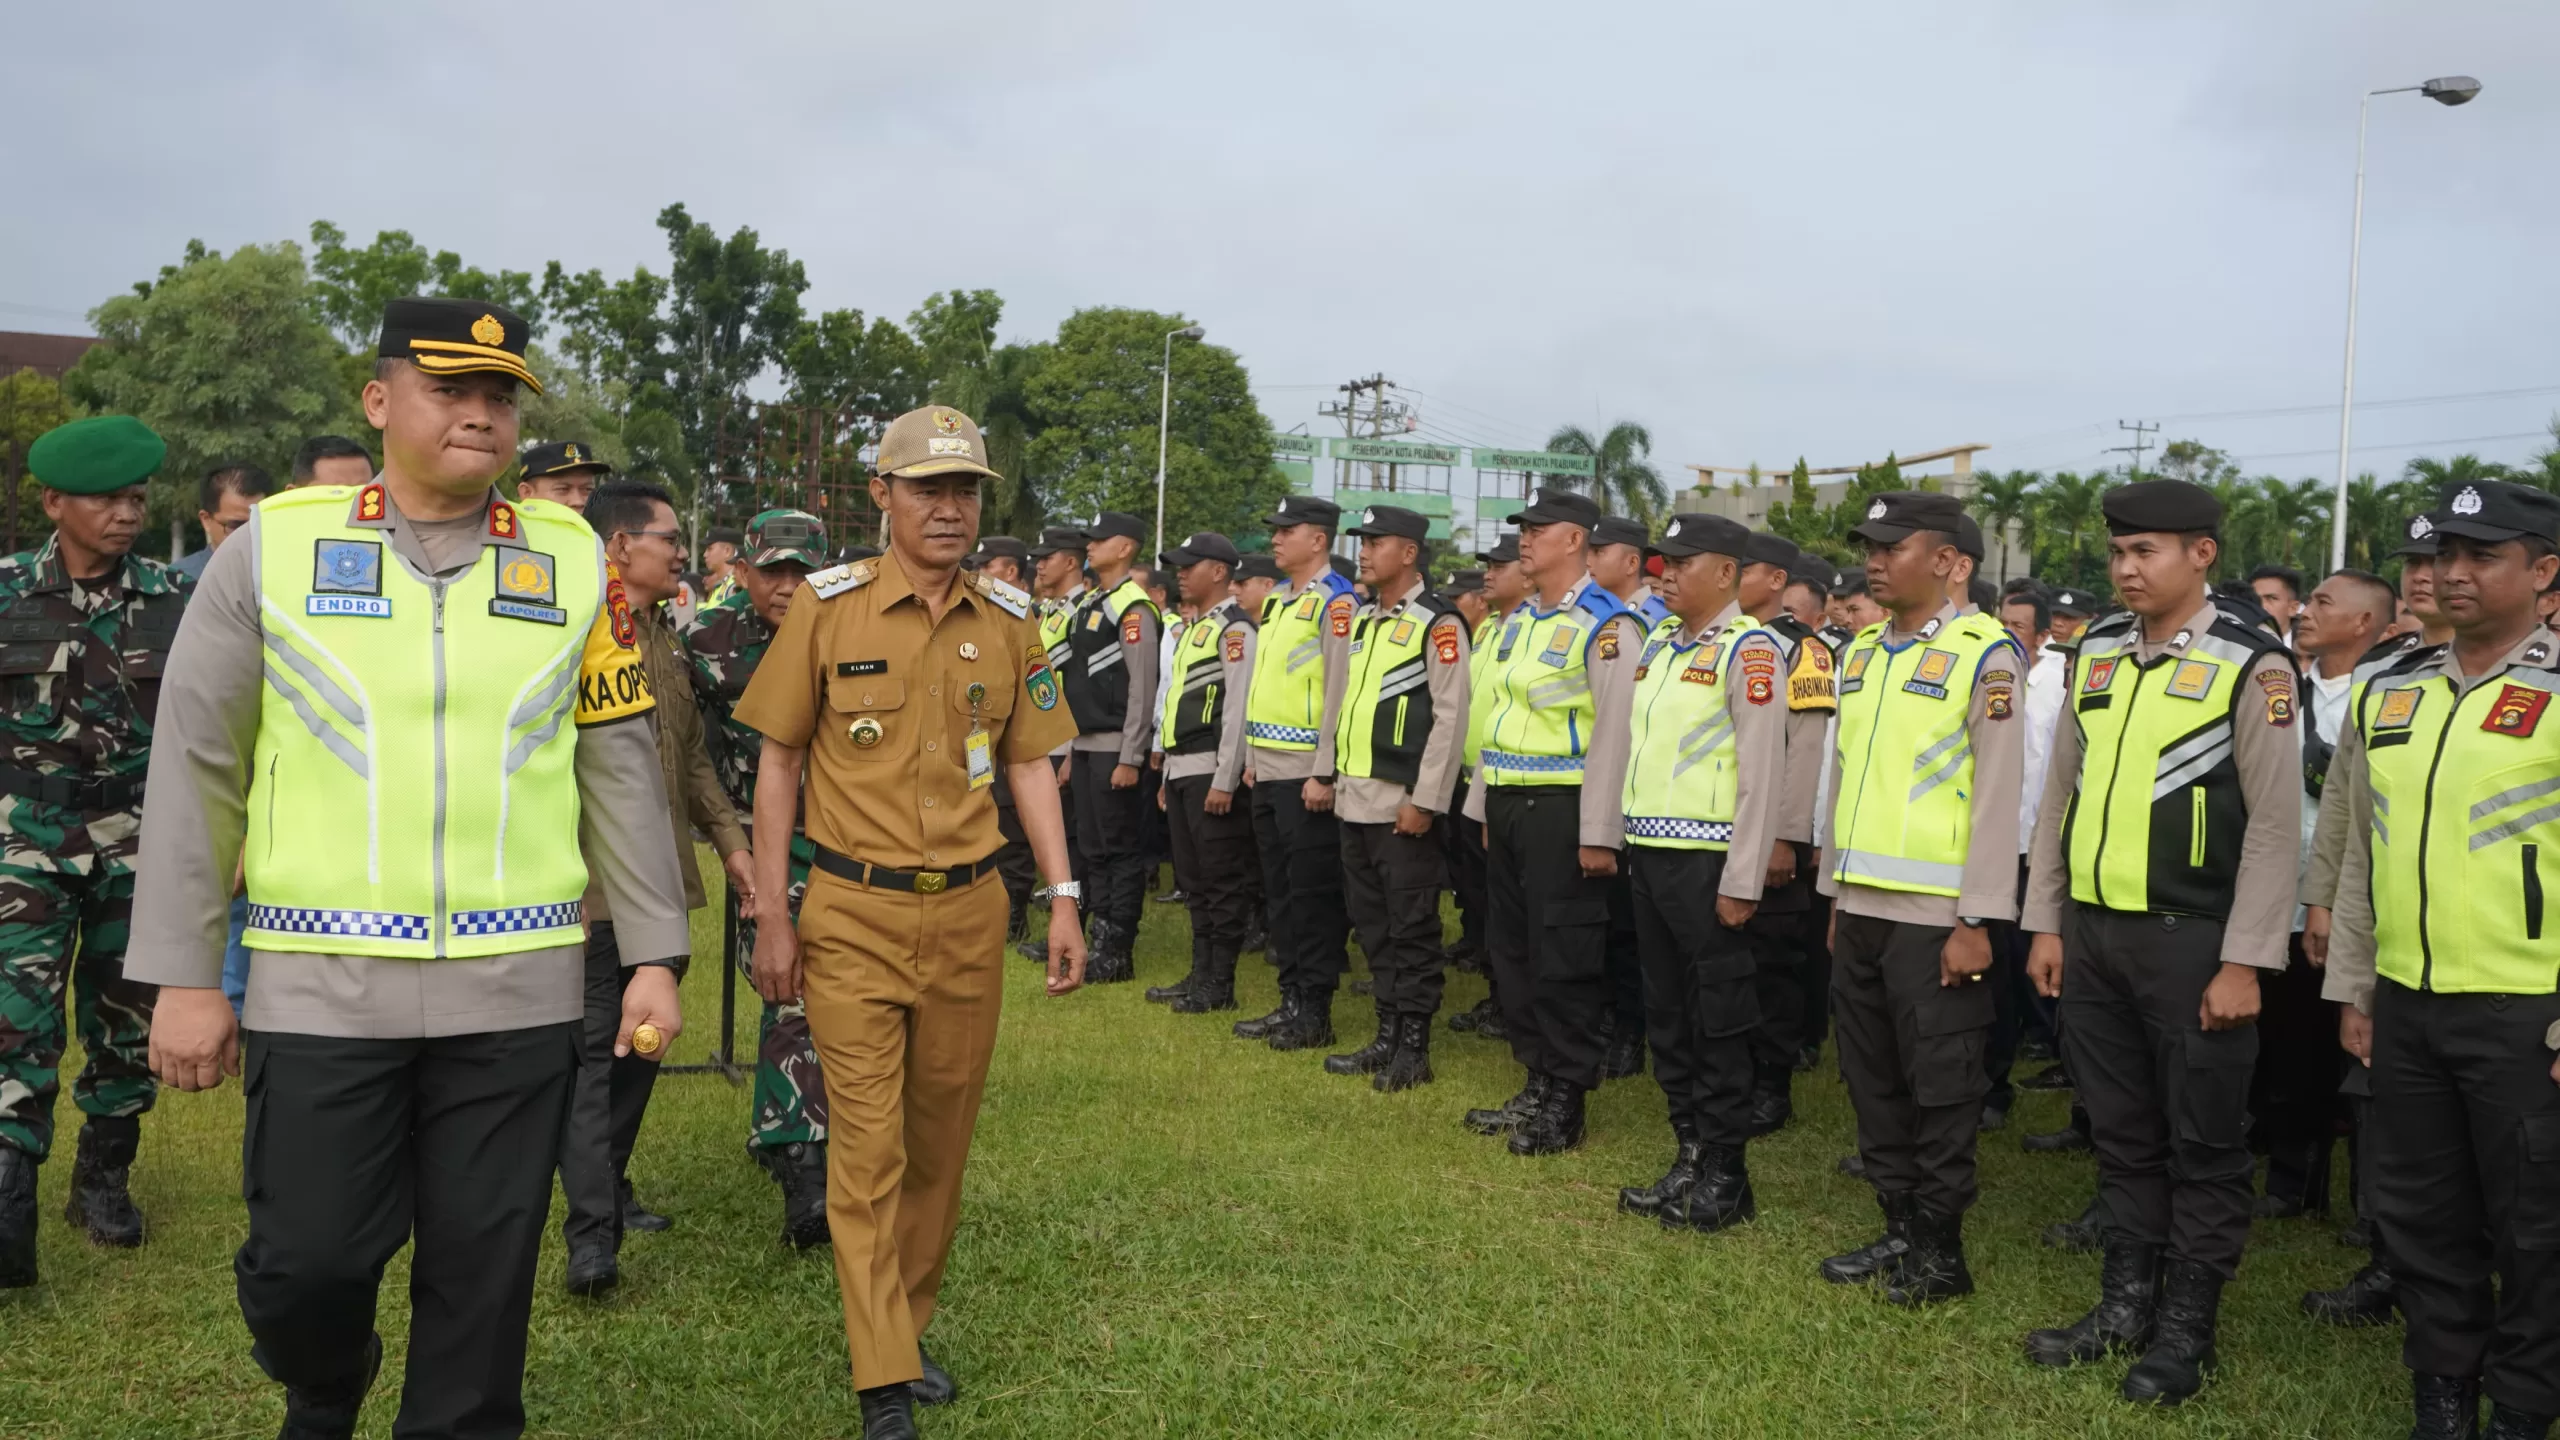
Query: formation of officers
[[1699, 800]]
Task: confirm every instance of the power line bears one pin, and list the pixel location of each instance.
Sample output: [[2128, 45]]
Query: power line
[[2406, 445]]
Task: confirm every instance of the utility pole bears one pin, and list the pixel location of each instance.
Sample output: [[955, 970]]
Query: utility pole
[[2141, 441], [1376, 414]]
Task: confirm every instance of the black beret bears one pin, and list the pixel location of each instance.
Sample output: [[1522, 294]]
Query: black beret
[[1618, 530], [2152, 506], [1385, 521], [1702, 535], [1898, 513], [2496, 510]]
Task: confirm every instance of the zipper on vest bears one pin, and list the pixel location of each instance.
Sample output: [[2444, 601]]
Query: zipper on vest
[[435, 588], [272, 762], [2195, 827], [2533, 892], [2107, 806], [2426, 821], [1400, 704]]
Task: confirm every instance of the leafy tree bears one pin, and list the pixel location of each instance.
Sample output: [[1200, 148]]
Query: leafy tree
[[611, 329], [733, 308], [2006, 505], [1092, 395], [1622, 477], [30, 404], [837, 362], [2433, 474], [351, 286], [2074, 531]]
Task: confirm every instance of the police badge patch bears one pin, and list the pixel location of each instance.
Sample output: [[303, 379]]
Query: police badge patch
[[346, 567]]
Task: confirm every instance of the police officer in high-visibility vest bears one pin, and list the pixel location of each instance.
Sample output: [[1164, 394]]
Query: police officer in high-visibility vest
[[1464, 590], [1305, 635], [1919, 851], [1111, 687], [1393, 730], [1057, 583], [1200, 737], [2440, 949], [1619, 558], [415, 708], [1504, 589], [1787, 912], [2160, 887], [1707, 750], [1554, 767]]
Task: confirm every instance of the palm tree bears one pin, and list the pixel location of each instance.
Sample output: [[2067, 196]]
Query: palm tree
[[1620, 471], [2434, 474], [2006, 505], [2072, 527], [2376, 515], [2286, 514]]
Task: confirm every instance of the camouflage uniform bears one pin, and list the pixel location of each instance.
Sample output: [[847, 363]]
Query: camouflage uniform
[[80, 666], [724, 644]]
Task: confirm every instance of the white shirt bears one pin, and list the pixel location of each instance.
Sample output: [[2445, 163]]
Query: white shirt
[[2327, 703], [2045, 680]]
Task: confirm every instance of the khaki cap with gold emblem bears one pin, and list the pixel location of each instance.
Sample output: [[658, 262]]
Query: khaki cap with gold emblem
[[936, 440]]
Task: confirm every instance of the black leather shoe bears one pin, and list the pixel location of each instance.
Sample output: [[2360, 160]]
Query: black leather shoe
[[593, 1270], [2037, 1052], [1215, 989], [1261, 1026], [800, 1168], [1770, 1112], [2276, 1207], [937, 1387], [2447, 1407], [1465, 958], [2181, 1352], [888, 1412], [2506, 1424], [2358, 1234], [1511, 1113], [2368, 1299], [1169, 897], [1492, 1026], [1035, 951], [1556, 1127], [1994, 1117], [1933, 1269], [2128, 1305], [100, 1201], [17, 1218], [636, 1216], [2051, 1077], [1371, 1058], [1675, 1182], [1853, 1165], [2082, 1234], [1721, 1197], [1311, 1028], [1467, 1019], [1880, 1255], [2064, 1141], [330, 1412], [1411, 1064], [1624, 1057]]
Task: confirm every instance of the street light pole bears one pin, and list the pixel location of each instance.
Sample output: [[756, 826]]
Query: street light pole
[[2445, 90], [1164, 421]]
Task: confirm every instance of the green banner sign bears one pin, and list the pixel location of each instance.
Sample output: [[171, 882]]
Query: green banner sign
[[1304, 447], [1301, 473], [1494, 509], [1535, 462], [1435, 506], [1392, 452]]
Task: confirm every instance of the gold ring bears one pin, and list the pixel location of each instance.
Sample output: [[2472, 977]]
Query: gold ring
[[646, 1040]]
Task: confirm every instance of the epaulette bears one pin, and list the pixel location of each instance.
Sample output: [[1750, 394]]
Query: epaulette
[[2400, 664], [1016, 603], [1668, 629], [2108, 624], [833, 581]]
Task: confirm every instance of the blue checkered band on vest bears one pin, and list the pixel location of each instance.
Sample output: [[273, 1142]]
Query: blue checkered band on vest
[[518, 919], [1545, 764], [1279, 734], [1672, 827], [290, 920]]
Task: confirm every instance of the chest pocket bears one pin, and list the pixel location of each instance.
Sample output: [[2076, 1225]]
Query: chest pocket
[[868, 707], [1002, 685], [33, 663]]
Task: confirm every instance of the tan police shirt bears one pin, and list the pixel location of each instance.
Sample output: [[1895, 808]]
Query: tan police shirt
[[1366, 799]]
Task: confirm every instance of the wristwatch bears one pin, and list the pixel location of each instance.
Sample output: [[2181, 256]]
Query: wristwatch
[[1970, 923], [1072, 889]]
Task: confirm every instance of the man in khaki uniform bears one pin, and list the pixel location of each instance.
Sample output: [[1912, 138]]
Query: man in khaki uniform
[[900, 685]]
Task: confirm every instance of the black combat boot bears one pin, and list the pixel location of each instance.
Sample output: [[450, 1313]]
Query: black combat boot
[[1880, 1255], [17, 1218], [2368, 1299], [1035, 951], [2447, 1407], [1772, 1102], [1808, 1056], [1108, 958], [937, 1387], [594, 1269], [1625, 1055], [2128, 1302], [329, 1412], [1557, 1125], [2068, 1140], [2506, 1424], [1261, 1026], [800, 1168], [1371, 1058], [1466, 1020], [1510, 1114], [1309, 1029], [888, 1412], [1934, 1268], [1675, 1182], [636, 1216], [1214, 990], [2081, 1234], [2181, 1352], [1257, 933], [1492, 1026], [1167, 994], [1411, 1064], [100, 1201], [1721, 1198]]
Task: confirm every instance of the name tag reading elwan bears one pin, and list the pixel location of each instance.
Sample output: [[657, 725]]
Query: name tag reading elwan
[[527, 588], [346, 580]]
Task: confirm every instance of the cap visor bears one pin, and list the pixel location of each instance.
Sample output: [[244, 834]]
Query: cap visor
[[1882, 533], [476, 365], [1536, 515], [2476, 530], [780, 553], [925, 468]]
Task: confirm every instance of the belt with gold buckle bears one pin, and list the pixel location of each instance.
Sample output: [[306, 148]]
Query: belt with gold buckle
[[880, 877]]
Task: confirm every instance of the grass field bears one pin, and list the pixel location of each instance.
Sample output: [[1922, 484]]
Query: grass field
[[1171, 1232]]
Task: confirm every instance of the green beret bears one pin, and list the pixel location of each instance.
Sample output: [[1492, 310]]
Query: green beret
[[97, 455]]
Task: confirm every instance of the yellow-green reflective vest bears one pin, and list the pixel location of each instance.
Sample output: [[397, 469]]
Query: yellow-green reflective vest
[[414, 791], [1539, 727], [1195, 702], [1287, 701], [1386, 700], [1479, 694], [1904, 814], [1097, 677], [2466, 817], [2157, 814], [1055, 616], [1682, 784]]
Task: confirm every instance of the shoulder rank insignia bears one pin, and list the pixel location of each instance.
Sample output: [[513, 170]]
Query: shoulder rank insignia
[[833, 581], [1014, 602]]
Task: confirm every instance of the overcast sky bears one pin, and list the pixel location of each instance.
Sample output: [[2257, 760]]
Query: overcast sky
[[1767, 230]]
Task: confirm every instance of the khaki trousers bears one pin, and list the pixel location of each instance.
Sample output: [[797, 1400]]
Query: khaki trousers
[[903, 994]]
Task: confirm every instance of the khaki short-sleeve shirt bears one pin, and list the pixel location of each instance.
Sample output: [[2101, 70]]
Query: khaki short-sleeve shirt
[[884, 697]]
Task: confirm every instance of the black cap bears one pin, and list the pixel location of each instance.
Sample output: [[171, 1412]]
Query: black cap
[[2419, 537], [1969, 538], [562, 456], [1463, 582], [1116, 525], [1618, 530], [1702, 535], [1343, 567], [1391, 521], [1002, 547], [1207, 545], [1306, 510], [2074, 602], [456, 337], [1505, 551], [1548, 506], [1057, 538], [2496, 510], [1897, 513], [1259, 567], [2151, 506], [1763, 548]]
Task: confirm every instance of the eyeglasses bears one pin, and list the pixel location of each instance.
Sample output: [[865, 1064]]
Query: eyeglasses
[[672, 537]]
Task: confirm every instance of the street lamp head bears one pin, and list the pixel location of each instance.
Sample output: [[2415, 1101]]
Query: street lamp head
[[2450, 89], [1194, 332]]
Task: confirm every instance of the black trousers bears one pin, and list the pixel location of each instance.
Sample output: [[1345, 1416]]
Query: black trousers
[[2293, 1093], [2168, 1100], [1778, 930], [355, 1147], [1703, 986], [1107, 821], [2466, 1141], [1911, 1052], [1625, 965], [610, 1099], [1464, 844], [1301, 855], [1015, 864], [1212, 860], [1391, 884], [2010, 990], [1547, 931], [1813, 969]]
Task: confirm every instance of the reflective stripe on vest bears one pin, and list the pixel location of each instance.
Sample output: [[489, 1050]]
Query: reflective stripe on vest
[[1386, 700], [1539, 725], [1287, 701], [1904, 814], [413, 793], [1097, 677], [1682, 784], [1195, 701], [1479, 694], [2466, 822]]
